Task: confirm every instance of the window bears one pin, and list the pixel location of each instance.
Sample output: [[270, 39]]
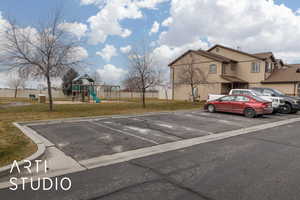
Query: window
[[213, 69], [273, 92], [235, 92], [268, 92], [269, 67], [223, 68], [255, 67], [241, 99], [227, 98], [244, 92]]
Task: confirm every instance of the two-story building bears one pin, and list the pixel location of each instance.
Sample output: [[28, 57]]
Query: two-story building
[[224, 68]]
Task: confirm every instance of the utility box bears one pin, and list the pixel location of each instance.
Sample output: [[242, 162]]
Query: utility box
[[42, 98]]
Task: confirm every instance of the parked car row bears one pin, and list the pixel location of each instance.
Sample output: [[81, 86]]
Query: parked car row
[[253, 102]]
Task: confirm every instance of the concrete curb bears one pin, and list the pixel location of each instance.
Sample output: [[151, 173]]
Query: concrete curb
[[37, 155]]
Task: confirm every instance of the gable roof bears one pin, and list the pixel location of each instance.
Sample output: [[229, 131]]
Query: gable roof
[[234, 50], [265, 55], [279, 61], [207, 55], [214, 56], [288, 74]]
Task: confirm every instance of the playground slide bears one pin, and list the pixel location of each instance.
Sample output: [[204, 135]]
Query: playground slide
[[95, 98]]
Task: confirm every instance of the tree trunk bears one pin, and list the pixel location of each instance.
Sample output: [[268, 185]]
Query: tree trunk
[[143, 98], [16, 92], [49, 93]]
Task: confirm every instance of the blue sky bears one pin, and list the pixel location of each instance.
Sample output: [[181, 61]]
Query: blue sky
[[190, 27]]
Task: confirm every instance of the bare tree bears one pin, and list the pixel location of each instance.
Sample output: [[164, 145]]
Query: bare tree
[[165, 86], [143, 71], [16, 82], [130, 85], [67, 81], [45, 51], [191, 75]]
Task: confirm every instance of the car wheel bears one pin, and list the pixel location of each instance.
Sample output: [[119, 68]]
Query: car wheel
[[250, 113], [211, 108], [286, 109]]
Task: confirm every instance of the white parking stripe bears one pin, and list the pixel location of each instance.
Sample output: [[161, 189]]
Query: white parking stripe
[[174, 126], [222, 121], [125, 133], [148, 151]]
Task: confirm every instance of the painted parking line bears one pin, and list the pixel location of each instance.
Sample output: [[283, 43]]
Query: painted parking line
[[175, 127], [232, 117], [125, 133], [141, 128], [148, 151], [222, 121]]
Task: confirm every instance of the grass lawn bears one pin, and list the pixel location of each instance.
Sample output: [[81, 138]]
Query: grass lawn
[[15, 146]]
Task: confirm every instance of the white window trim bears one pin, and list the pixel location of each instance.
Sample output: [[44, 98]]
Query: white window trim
[[216, 69], [255, 67]]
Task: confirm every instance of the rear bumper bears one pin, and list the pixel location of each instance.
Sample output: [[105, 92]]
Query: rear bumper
[[264, 111]]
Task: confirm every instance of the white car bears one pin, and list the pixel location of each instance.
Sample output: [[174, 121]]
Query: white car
[[276, 101]]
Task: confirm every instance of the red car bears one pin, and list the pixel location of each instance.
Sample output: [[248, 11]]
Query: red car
[[250, 106]]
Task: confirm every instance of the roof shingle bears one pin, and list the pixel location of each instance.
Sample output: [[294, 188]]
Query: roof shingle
[[287, 74]]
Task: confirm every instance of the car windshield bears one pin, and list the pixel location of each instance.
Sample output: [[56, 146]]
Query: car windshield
[[257, 93], [279, 93]]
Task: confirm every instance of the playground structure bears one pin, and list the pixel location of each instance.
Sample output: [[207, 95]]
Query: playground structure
[[83, 89], [109, 92]]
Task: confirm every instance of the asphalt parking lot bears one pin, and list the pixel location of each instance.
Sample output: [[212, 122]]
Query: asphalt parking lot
[[260, 165], [106, 136]]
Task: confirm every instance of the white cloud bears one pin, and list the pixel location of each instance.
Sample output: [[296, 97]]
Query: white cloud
[[79, 53], [3, 24], [167, 22], [258, 25], [126, 33], [107, 21], [107, 52], [165, 54], [111, 74], [77, 29], [3, 79], [125, 49], [155, 28], [150, 4]]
